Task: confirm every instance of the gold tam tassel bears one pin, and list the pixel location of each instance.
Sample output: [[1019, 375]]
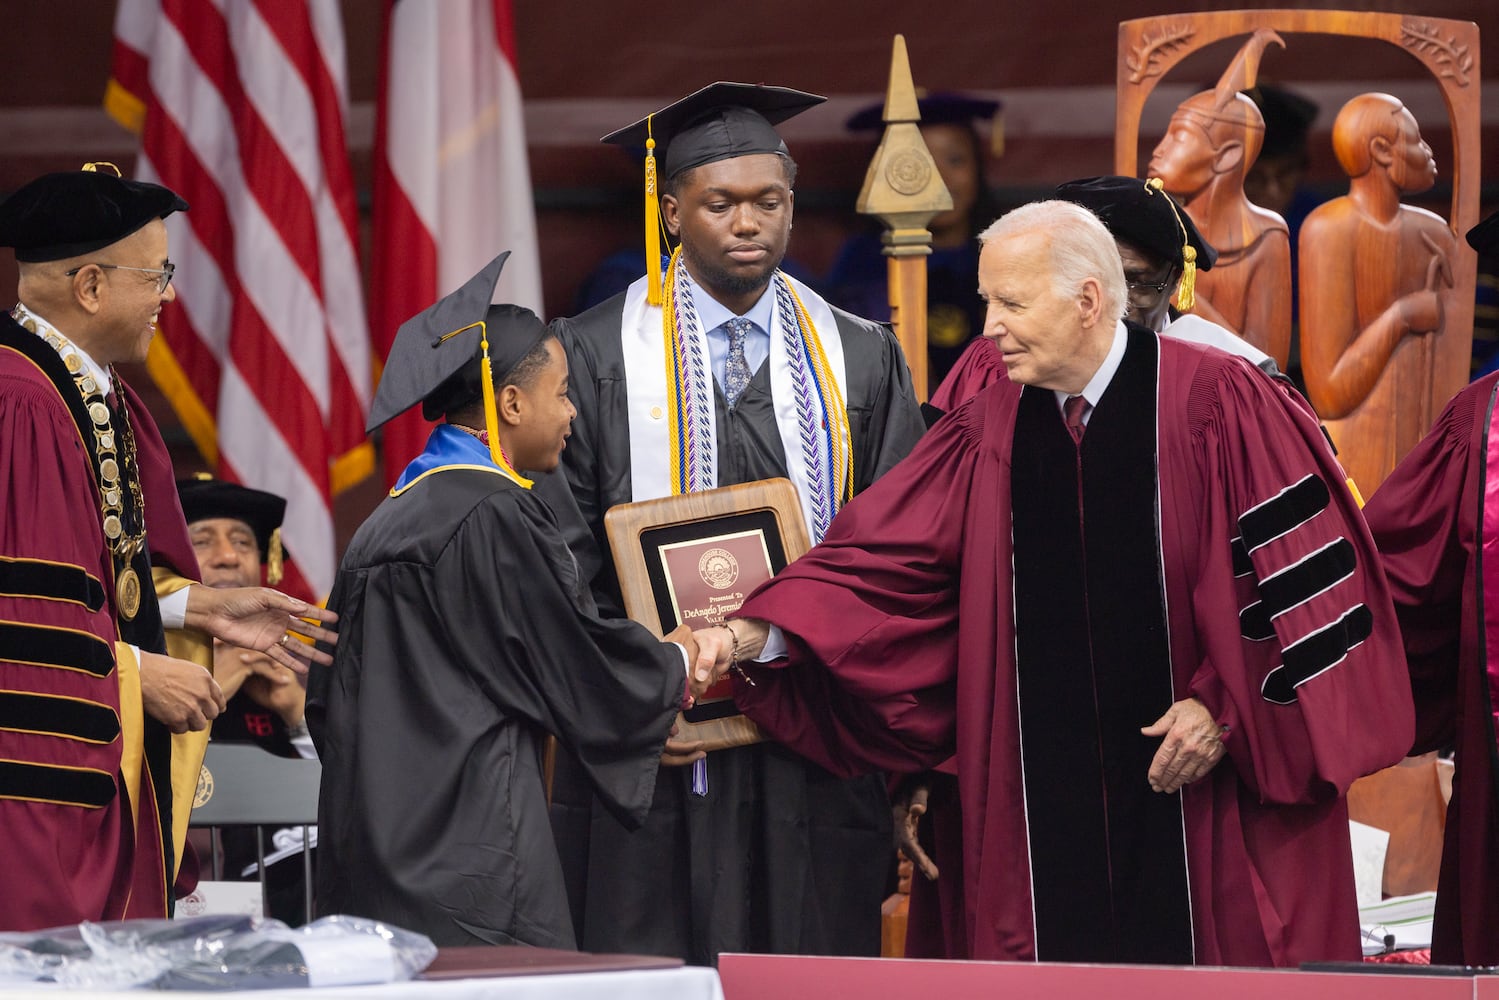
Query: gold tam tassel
[[652, 221], [491, 411], [1186, 290]]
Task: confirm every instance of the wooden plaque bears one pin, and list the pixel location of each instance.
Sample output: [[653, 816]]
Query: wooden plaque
[[696, 558]]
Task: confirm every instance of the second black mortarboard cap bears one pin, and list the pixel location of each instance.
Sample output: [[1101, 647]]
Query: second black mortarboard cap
[[1135, 213], [1484, 237], [443, 341], [718, 122], [75, 212], [937, 108]]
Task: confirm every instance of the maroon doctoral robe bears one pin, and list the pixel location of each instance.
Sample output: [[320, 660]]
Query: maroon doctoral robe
[[1220, 558], [76, 846], [1436, 522]]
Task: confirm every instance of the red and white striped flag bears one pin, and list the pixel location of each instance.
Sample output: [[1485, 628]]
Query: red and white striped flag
[[452, 186], [240, 106]]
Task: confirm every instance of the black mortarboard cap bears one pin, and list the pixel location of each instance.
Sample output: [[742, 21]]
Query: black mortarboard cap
[[1133, 212], [77, 211], [1484, 237], [718, 122], [1288, 117], [204, 497], [937, 108], [436, 353]]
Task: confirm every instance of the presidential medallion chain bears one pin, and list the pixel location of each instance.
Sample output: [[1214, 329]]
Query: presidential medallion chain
[[114, 460]]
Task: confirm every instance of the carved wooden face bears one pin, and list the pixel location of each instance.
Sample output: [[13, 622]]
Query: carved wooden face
[[1413, 168], [1184, 158]]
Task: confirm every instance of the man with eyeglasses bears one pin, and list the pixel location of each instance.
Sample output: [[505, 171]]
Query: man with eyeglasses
[[101, 731]]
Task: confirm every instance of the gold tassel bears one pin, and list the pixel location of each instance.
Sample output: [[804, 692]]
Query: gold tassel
[[1186, 292], [274, 556], [491, 411], [93, 168], [652, 221]]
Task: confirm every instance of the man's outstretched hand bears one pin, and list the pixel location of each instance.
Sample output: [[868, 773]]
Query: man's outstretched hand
[[265, 620]]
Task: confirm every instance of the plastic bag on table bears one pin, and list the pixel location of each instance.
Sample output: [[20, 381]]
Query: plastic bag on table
[[215, 953]]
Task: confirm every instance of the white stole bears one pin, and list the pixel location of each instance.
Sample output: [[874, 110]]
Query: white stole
[[646, 389]]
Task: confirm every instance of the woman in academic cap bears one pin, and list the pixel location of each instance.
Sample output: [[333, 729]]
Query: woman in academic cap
[[857, 281]]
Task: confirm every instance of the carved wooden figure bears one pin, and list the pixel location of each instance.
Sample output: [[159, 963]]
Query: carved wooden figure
[[1213, 139], [1376, 289], [1448, 50]]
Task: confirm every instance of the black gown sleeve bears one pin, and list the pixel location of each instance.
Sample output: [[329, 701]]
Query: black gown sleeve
[[607, 689]]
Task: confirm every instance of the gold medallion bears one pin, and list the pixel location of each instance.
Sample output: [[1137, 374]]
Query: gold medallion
[[112, 526], [109, 469], [99, 413], [127, 593]]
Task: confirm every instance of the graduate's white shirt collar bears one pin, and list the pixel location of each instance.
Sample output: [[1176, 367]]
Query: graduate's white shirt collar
[[712, 314], [1099, 383], [101, 376]]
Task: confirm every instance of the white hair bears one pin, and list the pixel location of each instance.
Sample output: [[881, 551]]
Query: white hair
[[1081, 248]]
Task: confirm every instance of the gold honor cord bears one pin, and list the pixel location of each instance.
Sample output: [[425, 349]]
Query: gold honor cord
[[491, 414]]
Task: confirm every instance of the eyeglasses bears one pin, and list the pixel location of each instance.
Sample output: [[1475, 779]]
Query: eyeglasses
[[1155, 287], [163, 274]]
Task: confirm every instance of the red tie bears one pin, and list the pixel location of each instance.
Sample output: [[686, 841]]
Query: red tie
[[1072, 411]]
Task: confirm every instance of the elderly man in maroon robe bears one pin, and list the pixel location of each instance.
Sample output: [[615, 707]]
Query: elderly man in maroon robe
[[1129, 589], [94, 716], [1435, 519]]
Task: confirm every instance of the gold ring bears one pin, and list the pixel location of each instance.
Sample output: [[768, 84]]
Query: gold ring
[[285, 638]]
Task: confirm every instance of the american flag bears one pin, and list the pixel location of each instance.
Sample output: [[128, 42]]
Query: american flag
[[240, 105], [452, 186]]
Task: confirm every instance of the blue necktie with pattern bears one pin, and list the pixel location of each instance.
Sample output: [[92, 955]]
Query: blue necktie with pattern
[[736, 372]]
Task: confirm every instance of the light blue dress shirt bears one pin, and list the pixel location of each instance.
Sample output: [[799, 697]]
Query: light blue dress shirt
[[712, 315]]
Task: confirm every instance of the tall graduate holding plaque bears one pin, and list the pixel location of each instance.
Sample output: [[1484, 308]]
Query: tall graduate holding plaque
[[721, 369]]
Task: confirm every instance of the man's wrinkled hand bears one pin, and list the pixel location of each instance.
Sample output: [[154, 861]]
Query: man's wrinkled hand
[[679, 753], [265, 620], [714, 646], [1192, 747], [907, 808], [180, 695]]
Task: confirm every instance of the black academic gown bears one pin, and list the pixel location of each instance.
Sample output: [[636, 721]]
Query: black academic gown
[[465, 637], [779, 856]]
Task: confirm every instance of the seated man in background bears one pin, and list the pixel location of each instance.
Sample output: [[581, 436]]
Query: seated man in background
[[235, 531]]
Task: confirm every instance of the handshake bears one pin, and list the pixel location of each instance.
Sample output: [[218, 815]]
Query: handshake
[[712, 652]]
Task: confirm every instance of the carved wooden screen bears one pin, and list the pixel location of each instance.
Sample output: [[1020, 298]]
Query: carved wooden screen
[[1149, 48]]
